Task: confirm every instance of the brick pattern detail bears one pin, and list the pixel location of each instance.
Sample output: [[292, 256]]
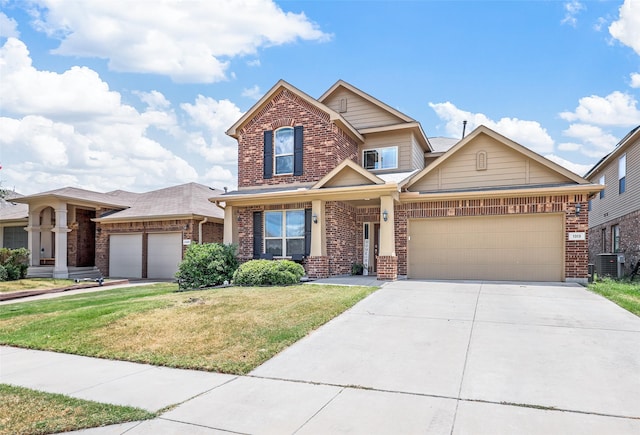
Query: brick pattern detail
[[317, 267], [343, 236], [387, 267], [325, 144], [81, 240], [629, 225], [212, 232]]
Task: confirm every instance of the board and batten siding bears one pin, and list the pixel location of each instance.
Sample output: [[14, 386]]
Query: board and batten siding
[[360, 112], [614, 204], [505, 167], [402, 139]]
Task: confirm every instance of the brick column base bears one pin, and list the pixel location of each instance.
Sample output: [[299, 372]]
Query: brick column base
[[318, 267], [387, 267]]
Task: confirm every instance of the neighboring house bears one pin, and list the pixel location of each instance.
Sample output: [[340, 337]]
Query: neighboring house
[[13, 222], [80, 233], [614, 214], [347, 179]]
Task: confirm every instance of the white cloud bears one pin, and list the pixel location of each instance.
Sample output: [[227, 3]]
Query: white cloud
[[576, 168], [528, 133], [154, 99], [189, 44], [254, 62], [8, 27], [596, 142], [572, 9], [252, 92], [627, 28], [635, 80], [569, 146], [616, 109]]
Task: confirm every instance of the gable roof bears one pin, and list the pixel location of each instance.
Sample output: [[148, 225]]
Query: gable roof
[[342, 84], [75, 195], [190, 199], [482, 129], [621, 146], [348, 166], [333, 115]]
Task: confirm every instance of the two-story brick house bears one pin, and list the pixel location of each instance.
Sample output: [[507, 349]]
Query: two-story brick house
[[347, 179], [614, 214]]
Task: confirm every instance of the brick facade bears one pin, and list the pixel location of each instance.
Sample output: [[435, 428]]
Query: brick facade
[[212, 232], [81, 242], [387, 267], [629, 226], [343, 237], [317, 267], [325, 145]]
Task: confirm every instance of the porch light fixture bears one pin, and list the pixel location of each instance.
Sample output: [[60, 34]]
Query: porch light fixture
[[315, 218], [578, 207], [385, 215]]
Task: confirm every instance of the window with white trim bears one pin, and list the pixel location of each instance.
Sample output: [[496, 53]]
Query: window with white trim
[[284, 233], [622, 174], [284, 151], [380, 158], [602, 184], [615, 238]]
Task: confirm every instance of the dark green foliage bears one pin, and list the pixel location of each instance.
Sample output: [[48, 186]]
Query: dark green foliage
[[207, 265], [14, 263], [356, 269], [268, 272]]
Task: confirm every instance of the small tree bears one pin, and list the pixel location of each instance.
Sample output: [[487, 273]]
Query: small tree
[[206, 265]]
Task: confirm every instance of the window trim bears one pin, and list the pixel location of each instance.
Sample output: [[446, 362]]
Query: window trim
[[283, 236], [615, 238], [275, 151], [377, 149]]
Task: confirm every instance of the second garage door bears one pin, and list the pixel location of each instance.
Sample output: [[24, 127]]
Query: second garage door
[[512, 248], [125, 255], [164, 255]]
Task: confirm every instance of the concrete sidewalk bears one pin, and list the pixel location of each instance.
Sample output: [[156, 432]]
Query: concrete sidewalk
[[414, 357]]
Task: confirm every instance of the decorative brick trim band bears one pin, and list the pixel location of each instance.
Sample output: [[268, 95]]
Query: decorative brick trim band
[[387, 267], [317, 267]]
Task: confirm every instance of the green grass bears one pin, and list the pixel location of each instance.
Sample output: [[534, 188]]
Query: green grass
[[625, 294], [33, 284], [24, 411], [230, 330]]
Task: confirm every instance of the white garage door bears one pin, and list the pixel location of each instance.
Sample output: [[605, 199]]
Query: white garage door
[[125, 255], [164, 255], [511, 248]]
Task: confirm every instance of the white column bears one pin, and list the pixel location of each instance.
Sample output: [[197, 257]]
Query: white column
[[60, 269], [33, 237], [318, 239], [229, 224], [387, 228]]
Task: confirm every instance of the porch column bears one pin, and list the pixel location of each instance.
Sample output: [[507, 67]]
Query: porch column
[[318, 263], [60, 269], [387, 261], [33, 238], [229, 224]]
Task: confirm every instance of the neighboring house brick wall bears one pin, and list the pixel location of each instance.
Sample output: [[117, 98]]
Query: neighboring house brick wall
[[188, 228], [629, 225], [325, 145]]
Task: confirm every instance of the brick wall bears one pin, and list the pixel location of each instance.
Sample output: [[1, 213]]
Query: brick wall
[[211, 232], [343, 237], [81, 239], [317, 267], [325, 145], [629, 225], [387, 267]]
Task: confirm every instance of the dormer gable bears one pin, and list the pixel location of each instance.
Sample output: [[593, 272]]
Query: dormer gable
[[486, 160], [348, 173]]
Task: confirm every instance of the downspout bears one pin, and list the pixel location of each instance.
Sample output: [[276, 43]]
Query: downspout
[[202, 222]]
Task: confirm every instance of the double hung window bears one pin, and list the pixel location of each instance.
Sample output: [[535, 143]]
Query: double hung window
[[284, 232], [602, 183], [622, 174], [284, 151]]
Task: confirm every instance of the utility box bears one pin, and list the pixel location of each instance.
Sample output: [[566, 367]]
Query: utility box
[[607, 265]]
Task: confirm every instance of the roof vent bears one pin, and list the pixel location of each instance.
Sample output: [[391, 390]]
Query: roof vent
[[343, 105]]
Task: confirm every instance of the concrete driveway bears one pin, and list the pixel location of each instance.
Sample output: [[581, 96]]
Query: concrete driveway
[[446, 357]]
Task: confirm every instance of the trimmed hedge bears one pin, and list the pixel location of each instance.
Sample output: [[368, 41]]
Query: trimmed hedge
[[206, 265], [268, 272]]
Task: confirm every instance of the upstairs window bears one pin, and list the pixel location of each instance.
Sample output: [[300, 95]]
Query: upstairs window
[[622, 174], [380, 158], [284, 151], [602, 183]]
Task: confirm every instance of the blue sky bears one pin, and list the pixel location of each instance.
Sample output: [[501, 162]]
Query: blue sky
[[137, 95]]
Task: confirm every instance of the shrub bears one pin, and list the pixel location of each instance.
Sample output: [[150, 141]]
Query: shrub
[[14, 262], [268, 272], [3, 273], [206, 265]]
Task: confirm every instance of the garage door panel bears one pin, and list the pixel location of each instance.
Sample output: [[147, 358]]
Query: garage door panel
[[522, 247], [164, 255], [125, 255]]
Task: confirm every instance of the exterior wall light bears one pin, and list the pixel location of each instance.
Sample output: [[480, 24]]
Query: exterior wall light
[[385, 215], [315, 218], [578, 207]]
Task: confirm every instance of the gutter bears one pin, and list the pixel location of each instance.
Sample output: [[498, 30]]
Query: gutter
[[202, 222]]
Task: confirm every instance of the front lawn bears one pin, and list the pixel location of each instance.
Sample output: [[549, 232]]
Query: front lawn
[[34, 284], [625, 294], [229, 330], [24, 411]]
